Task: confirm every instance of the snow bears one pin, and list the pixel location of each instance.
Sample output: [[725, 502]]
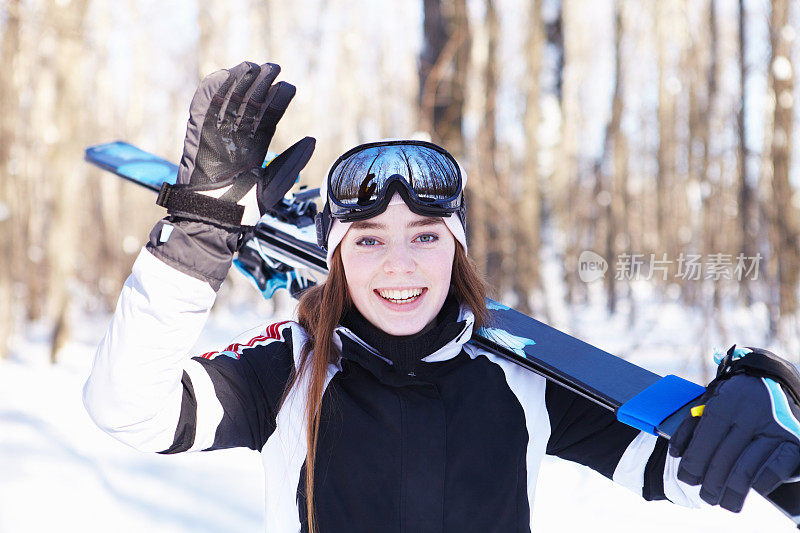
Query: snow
[[570, 498], [59, 472]]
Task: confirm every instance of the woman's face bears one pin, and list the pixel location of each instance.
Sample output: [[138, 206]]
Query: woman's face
[[398, 266]]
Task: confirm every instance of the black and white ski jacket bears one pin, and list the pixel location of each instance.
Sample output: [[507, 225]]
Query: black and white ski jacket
[[456, 446]]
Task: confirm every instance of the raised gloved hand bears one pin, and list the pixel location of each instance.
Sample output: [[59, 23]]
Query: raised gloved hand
[[747, 434], [222, 189], [232, 119]]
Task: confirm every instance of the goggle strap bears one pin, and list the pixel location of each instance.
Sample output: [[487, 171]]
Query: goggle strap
[[323, 223]]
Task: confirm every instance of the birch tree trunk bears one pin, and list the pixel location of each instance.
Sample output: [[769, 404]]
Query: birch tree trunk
[[67, 19], [9, 232], [527, 197], [668, 89], [442, 72], [260, 46], [785, 237], [486, 226], [568, 195], [614, 168], [483, 184], [747, 215]]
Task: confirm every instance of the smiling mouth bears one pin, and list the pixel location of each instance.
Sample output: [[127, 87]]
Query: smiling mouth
[[401, 296]]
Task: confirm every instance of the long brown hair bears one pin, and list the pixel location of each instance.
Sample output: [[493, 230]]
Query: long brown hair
[[319, 312]]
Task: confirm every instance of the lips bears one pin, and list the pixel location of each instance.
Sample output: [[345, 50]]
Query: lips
[[401, 296]]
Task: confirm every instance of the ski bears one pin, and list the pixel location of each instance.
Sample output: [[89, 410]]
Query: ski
[[282, 252]]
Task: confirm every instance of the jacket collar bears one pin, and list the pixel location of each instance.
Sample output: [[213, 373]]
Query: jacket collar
[[352, 347]]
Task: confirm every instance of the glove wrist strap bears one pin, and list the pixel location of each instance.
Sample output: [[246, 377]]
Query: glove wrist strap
[[762, 364], [182, 201]]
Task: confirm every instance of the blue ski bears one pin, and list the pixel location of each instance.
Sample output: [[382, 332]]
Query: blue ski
[[133, 164], [283, 247]]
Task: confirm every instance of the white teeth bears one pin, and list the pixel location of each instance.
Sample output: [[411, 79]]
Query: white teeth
[[400, 296]]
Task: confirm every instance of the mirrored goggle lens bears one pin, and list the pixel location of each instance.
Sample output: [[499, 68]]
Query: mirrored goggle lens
[[361, 177]]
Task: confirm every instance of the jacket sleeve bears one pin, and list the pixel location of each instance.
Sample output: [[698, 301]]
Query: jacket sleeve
[[148, 392], [586, 433]]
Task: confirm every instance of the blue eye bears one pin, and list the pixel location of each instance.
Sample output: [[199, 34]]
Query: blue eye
[[428, 238], [367, 241]]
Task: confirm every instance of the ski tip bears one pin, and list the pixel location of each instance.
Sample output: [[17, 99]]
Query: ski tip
[[496, 306], [132, 163]]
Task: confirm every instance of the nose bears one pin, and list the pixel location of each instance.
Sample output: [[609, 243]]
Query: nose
[[398, 259]]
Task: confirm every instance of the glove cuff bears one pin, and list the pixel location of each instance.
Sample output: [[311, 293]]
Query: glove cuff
[[761, 363], [201, 250]]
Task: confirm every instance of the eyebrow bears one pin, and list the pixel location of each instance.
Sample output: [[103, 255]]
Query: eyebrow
[[419, 223]]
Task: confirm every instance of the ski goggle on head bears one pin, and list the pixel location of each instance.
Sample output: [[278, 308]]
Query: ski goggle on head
[[362, 182]]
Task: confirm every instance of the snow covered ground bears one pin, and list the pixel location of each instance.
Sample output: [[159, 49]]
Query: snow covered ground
[[58, 472]]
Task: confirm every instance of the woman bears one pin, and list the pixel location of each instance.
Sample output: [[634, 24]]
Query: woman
[[371, 412]]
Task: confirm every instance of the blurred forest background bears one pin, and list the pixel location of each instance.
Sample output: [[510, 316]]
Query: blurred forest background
[[656, 127]]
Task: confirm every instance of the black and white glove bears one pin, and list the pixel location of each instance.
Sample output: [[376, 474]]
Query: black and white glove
[[744, 432], [222, 189]]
